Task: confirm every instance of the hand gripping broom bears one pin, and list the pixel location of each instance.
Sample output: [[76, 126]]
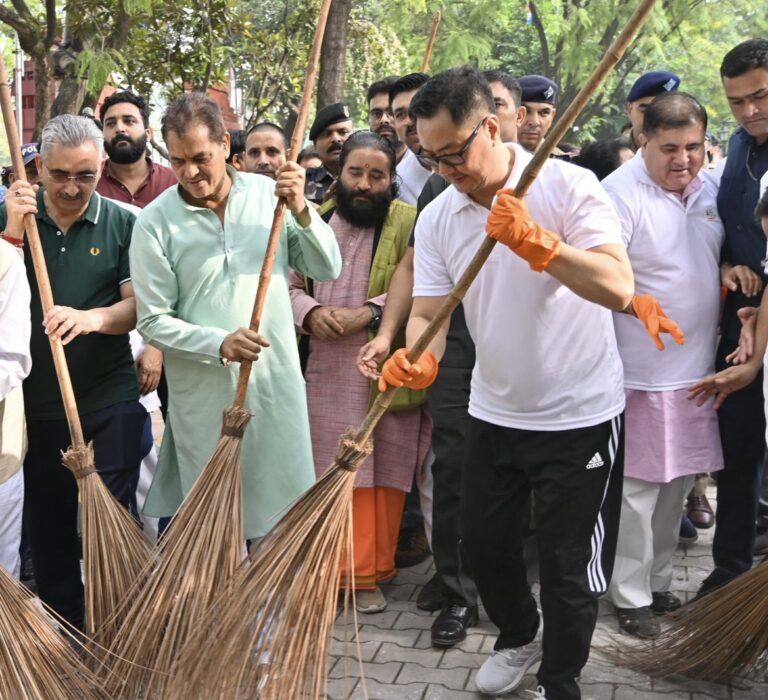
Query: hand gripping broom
[[268, 632], [204, 544], [36, 659], [114, 548]]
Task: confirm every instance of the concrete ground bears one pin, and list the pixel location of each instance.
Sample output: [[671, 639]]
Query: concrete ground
[[400, 663]]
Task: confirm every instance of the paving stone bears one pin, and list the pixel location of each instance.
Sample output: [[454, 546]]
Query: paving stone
[[340, 689], [600, 671], [438, 692], [699, 688], [404, 591], [457, 658], [453, 678], [367, 649], [384, 620], [597, 691], [394, 652], [383, 673], [405, 638], [379, 691], [413, 621], [628, 692]]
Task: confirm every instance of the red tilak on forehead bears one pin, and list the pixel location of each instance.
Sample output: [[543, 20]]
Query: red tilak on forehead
[[366, 166]]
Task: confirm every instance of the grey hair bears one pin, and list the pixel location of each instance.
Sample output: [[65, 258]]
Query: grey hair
[[71, 131]]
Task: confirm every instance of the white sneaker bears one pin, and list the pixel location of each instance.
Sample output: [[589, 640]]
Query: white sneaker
[[505, 669], [538, 694]]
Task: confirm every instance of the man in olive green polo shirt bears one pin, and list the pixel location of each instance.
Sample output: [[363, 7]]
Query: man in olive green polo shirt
[[85, 240]]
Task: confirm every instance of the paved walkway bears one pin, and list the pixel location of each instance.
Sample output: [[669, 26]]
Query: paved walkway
[[400, 663]]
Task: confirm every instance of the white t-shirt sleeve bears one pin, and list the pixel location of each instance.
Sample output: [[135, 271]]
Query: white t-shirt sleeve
[[624, 212], [430, 273], [588, 215]]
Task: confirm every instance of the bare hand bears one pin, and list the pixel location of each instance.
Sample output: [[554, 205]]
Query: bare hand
[[19, 201], [290, 185], [352, 320], [149, 367], [243, 344], [65, 323], [722, 384], [321, 323], [734, 277], [748, 317], [372, 355]]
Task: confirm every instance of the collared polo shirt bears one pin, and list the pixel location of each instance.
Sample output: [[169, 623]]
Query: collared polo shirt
[[86, 267], [674, 246], [159, 179], [546, 358], [736, 201]]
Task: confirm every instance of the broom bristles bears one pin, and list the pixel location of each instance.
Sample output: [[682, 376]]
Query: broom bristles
[[36, 659], [115, 551], [269, 631], [718, 635], [197, 555]]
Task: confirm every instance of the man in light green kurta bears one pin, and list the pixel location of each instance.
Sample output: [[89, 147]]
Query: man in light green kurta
[[196, 254]]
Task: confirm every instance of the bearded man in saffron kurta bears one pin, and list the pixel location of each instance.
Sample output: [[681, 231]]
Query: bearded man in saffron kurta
[[198, 251], [372, 229]]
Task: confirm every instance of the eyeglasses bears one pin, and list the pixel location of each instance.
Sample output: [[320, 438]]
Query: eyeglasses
[[61, 177], [451, 159], [378, 114]]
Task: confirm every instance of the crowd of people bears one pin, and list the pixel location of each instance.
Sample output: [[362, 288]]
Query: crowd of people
[[603, 367]]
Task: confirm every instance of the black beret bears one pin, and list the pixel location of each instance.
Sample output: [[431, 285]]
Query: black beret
[[537, 88], [330, 114], [652, 84]]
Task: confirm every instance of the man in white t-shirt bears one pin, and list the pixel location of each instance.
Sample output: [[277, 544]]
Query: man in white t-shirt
[[412, 175], [547, 393], [667, 205]]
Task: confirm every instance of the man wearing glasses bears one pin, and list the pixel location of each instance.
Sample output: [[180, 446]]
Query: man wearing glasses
[[380, 118], [85, 239], [546, 398]]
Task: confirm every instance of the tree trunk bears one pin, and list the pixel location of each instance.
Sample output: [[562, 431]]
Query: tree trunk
[[71, 93], [43, 100], [330, 85]]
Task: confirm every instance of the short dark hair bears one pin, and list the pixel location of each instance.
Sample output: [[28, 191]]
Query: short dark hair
[[462, 91], [236, 143], [264, 126], [744, 57], [117, 98], [761, 211], [510, 83], [368, 139], [672, 110], [412, 81], [308, 152], [190, 109], [381, 86], [602, 157]]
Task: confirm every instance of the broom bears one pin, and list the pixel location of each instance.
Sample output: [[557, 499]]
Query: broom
[[204, 544], [268, 632], [718, 635], [36, 660], [114, 549], [431, 41]]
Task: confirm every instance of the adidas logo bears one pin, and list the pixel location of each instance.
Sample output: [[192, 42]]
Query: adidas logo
[[595, 462]]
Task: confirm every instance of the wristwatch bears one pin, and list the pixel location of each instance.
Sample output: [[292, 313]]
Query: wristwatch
[[376, 312]]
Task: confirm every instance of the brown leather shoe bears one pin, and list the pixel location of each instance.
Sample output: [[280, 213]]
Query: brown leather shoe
[[700, 513]]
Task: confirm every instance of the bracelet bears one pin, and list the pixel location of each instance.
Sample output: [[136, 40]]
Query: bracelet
[[18, 242]]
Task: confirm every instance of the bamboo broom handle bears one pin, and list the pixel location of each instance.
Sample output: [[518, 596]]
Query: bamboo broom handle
[[431, 41], [277, 222], [612, 57], [38, 262]]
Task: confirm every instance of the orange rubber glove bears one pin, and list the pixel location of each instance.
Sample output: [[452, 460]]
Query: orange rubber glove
[[510, 223], [649, 311], [397, 371]]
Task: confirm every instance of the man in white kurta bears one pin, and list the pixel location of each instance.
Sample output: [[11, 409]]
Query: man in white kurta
[[198, 254], [669, 221]]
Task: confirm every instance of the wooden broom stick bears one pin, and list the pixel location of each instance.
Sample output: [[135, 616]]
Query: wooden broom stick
[[38, 261], [277, 222], [431, 41], [610, 59]]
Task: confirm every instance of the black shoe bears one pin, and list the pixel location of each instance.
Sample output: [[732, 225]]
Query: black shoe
[[431, 595], [638, 622], [450, 626], [665, 602], [412, 547]]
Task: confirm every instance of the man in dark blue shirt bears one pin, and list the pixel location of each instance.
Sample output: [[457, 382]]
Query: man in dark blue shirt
[[744, 72]]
